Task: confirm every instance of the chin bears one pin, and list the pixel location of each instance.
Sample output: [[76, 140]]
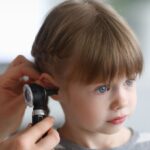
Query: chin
[[111, 130]]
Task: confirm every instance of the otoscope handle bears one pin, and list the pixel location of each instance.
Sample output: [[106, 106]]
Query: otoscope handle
[[37, 118], [38, 115]]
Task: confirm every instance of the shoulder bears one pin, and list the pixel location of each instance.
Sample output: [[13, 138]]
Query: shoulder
[[143, 137], [142, 142], [138, 141], [68, 145], [59, 147]]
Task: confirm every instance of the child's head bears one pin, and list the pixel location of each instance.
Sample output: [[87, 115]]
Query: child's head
[[84, 44]]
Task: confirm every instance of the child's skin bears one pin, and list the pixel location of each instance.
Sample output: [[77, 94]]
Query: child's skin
[[90, 111]]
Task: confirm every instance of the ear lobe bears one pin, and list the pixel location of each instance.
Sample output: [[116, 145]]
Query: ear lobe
[[48, 81]]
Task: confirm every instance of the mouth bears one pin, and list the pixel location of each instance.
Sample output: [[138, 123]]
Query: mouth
[[118, 120]]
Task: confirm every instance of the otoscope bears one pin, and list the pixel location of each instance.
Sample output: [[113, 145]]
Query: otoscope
[[36, 96]]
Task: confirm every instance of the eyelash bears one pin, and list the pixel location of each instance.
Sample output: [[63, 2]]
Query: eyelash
[[129, 82], [101, 89]]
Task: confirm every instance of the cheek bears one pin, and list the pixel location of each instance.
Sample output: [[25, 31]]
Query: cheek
[[94, 115], [83, 109], [133, 101], [87, 112]]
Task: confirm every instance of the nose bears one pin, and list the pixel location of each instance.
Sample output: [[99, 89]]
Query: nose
[[119, 99]]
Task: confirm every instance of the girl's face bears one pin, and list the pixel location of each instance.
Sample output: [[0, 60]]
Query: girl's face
[[99, 107]]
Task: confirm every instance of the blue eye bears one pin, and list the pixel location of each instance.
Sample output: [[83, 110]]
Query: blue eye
[[129, 82], [102, 89]]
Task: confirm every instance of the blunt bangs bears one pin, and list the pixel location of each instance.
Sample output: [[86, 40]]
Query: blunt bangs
[[106, 49]]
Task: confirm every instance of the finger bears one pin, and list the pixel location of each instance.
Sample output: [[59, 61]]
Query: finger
[[22, 70], [39, 129], [21, 132], [49, 141], [18, 60], [26, 129]]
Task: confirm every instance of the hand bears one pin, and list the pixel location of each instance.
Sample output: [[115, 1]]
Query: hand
[[29, 139], [11, 98]]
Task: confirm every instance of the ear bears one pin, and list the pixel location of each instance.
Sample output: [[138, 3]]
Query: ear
[[49, 81]]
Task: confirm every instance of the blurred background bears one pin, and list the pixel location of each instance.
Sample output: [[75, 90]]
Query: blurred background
[[20, 20]]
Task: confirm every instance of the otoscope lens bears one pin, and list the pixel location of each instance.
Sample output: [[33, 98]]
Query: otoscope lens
[[28, 96]]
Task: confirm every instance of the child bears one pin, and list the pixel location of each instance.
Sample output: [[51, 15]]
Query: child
[[89, 52]]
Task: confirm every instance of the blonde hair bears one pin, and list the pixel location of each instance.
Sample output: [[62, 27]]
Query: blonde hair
[[86, 40]]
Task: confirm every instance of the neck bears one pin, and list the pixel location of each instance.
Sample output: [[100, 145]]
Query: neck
[[95, 140]]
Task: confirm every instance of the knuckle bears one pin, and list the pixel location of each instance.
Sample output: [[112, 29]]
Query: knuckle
[[19, 59]]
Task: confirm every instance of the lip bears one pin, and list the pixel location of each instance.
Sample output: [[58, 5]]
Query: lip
[[118, 120]]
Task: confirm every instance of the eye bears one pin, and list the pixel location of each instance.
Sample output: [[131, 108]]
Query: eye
[[102, 89], [130, 82]]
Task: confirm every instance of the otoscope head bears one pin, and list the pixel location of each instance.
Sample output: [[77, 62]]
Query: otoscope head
[[36, 96]]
